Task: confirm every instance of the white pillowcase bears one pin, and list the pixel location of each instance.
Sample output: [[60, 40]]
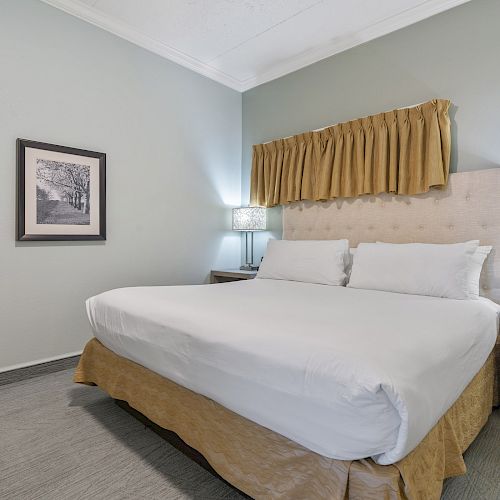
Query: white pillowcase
[[310, 261], [475, 267], [418, 269]]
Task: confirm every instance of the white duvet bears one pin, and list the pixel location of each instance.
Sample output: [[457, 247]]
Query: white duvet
[[347, 373]]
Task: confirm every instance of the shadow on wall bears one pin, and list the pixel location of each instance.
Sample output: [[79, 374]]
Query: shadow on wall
[[452, 111], [467, 158]]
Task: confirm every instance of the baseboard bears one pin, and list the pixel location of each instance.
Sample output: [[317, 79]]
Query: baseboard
[[24, 371]]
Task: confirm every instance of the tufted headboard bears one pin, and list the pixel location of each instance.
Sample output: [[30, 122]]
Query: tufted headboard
[[468, 209]]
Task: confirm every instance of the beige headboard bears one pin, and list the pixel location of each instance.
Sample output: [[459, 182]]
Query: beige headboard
[[469, 208]]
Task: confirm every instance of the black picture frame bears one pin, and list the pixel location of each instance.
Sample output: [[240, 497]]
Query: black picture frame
[[22, 235]]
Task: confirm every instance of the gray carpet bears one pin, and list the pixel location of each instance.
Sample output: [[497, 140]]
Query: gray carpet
[[59, 440], [37, 370]]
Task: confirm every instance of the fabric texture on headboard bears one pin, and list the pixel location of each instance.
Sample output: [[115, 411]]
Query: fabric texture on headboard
[[468, 209]]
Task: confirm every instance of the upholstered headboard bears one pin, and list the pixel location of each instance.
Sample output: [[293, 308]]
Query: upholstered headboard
[[469, 208]]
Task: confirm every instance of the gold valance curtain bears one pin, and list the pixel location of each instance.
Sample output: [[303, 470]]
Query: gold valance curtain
[[405, 151]]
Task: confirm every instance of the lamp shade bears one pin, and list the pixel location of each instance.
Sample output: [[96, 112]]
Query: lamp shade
[[249, 219]]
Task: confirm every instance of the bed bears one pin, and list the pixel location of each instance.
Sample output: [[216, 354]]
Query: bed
[[297, 399]]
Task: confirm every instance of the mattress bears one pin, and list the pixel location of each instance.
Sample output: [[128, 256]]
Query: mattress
[[347, 373]]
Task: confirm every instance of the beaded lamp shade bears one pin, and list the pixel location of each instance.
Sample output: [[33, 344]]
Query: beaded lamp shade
[[249, 219]]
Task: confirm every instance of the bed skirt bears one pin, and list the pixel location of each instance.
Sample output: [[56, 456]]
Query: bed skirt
[[266, 465]]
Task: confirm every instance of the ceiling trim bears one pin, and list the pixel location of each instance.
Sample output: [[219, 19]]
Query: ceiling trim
[[123, 30], [340, 44]]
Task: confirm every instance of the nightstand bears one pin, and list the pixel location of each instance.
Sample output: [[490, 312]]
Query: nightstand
[[225, 275]]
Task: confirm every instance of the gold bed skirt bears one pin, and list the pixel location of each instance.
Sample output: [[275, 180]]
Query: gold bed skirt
[[265, 464]]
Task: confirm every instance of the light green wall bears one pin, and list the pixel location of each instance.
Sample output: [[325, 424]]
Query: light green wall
[[173, 144], [453, 55]]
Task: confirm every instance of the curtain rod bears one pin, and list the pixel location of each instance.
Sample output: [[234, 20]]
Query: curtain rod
[[328, 126]]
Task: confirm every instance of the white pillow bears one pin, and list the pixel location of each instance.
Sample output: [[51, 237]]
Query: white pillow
[[310, 261], [475, 267], [415, 268]]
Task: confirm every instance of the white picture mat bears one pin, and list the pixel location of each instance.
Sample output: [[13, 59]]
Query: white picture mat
[[31, 226]]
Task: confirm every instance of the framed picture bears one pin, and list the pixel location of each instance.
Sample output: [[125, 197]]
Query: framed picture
[[61, 193]]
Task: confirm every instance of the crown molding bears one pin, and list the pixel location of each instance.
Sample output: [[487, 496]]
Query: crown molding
[[123, 30], [340, 44]]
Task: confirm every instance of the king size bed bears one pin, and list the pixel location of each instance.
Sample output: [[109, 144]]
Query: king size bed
[[301, 390]]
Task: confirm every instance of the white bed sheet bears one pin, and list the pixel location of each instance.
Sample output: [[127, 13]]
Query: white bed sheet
[[347, 373]]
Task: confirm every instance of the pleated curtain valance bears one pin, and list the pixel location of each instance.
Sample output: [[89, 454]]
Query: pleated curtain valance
[[405, 151]]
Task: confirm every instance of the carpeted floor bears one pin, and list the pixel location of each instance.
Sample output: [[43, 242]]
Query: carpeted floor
[[59, 440]]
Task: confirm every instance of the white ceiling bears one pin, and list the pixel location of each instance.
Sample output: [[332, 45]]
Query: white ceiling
[[243, 43]]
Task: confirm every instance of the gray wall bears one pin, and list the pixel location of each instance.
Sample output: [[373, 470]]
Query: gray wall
[[452, 55], [173, 140]]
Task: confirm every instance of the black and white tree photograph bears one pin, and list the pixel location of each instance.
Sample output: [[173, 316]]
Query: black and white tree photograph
[[62, 192]]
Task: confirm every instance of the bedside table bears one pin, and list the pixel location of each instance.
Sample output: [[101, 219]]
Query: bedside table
[[225, 275]]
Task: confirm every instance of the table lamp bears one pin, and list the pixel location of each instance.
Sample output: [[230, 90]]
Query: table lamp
[[249, 219]]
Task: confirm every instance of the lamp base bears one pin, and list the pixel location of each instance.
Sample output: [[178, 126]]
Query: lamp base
[[249, 268]]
